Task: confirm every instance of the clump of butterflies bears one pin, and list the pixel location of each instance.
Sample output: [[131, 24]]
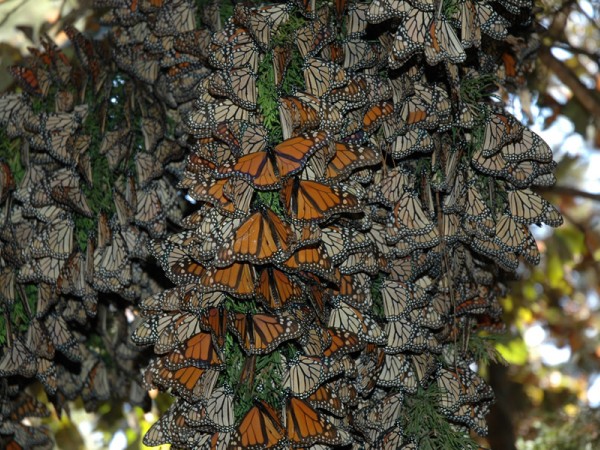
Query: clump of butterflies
[[359, 195], [88, 178]]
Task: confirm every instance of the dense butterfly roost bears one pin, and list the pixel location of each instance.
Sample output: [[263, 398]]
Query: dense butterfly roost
[[360, 196], [88, 176]]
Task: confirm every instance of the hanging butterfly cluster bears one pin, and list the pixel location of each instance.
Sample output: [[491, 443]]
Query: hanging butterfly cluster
[[85, 184], [360, 196]]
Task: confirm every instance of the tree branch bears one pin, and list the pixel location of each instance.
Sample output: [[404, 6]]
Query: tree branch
[[580, 91], [569, 191]]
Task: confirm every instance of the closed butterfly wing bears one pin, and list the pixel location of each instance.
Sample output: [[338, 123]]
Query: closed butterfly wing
[[305, 426], [262, 333], [259, 429]]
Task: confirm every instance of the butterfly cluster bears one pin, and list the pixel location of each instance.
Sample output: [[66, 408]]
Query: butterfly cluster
[[87, 180], [359, 197]]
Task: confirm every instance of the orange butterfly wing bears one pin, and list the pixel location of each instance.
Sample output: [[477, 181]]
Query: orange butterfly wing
[[259, 429], [305, 426], [312, 201]]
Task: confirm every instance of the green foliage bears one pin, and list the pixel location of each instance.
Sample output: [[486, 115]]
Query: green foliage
[[267, 371], [267, 100], [19, 314], [272, 200], [578, 432], [424, 422], [376, 289], [482, 347], [476, 89], [11, 154]]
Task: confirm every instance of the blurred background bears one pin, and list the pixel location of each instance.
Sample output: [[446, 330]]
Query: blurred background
[[547, 381]]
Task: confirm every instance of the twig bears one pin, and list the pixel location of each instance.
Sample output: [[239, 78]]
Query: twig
[[569, 191], [580, 91], [11, 12]]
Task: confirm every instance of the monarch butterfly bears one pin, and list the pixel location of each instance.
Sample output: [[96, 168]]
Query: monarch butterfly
[[147, 167], [338, 242], [528, 173], [86, 53], [405, 335], [207, 116], [529, 147], [451, 391], [266, 169], [110, 260], [219, 409], [398, 372], [63, 187], [232, 197], [321, 76], [499, 130], [369, 365], [149, 212], [18, 360], [357, 20], [442, 43], [375, 116], [61, 337], [311, 201], [353, 94], [262, 22], [174, 18], [312, 37], [238, 279], [243, 137], [509, 234], [24, 406], [187, 297], [73, 280], [305, 426], [296, 116], [350, 157], [313, 260], [381, 10], [34, 82], [261, 238], [383, 414], [359, 54], [198, 351], [192, 383], [262, 333], [55, 239], [114, 146], [259, 429], [494, 165], [326, 399], [242, 52], [160, 431], [304, 375], [238, 84], [276, 288], [416, 140], [346, 317], [400, 298], [282, 57], [476, 209], [527, 207], [194, 42], [480, 17], [46, 269], [411, 217], [354, 290]]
